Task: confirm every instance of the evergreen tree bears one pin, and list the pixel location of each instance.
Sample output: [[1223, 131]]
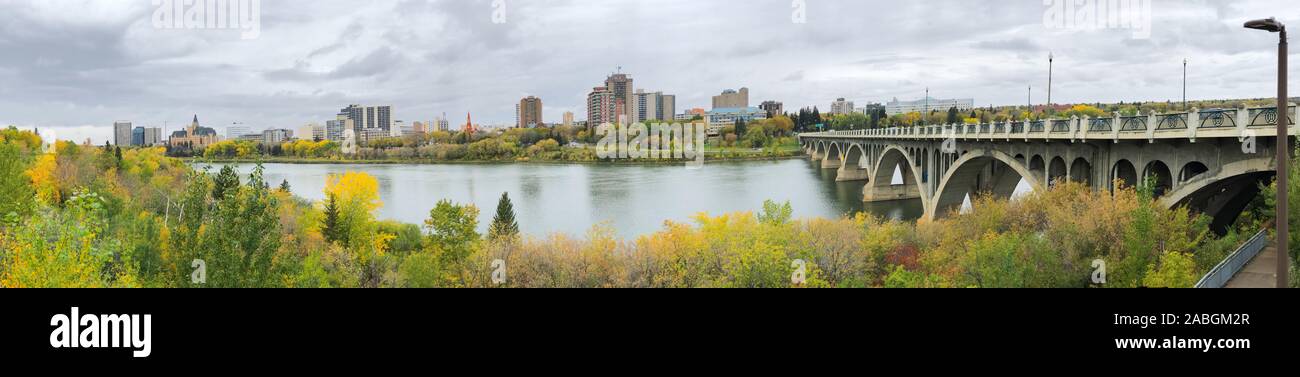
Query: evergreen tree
[[330, 224], [503, 224], [227, 183], [117, 153], [284, 186]]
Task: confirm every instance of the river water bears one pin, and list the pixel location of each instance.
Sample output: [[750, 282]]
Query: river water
[[633, 200]]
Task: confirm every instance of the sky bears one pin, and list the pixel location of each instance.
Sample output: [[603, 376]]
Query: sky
[[75, 67]]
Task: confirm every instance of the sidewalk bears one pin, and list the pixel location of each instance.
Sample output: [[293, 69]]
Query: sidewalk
[[1260, 272]]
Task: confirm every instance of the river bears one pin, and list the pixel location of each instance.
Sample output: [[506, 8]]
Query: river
[[633, 200]]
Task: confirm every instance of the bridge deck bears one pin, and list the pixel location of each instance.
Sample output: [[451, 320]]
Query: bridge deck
[[1260, 272]]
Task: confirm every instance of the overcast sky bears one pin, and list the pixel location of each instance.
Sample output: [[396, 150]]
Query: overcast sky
[[76, 66]]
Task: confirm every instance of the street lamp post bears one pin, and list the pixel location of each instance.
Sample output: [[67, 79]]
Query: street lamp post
[[1283, 147], [1184, 84], [1050, 59], [1029, 105]]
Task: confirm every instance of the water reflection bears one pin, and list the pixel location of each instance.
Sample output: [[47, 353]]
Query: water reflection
[[633, 200]]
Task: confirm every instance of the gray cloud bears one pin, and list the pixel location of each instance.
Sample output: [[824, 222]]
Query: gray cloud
[[78, 65]]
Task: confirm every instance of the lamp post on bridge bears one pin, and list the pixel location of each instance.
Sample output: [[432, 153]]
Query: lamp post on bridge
[[1051, 58], [1184, 84], [1283, 147]]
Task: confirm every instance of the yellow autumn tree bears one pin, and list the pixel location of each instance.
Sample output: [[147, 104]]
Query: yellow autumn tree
[[356, 189], [356, 197], [44, 180]]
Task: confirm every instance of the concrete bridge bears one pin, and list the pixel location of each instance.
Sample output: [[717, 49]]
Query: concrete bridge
[[1209, 160]]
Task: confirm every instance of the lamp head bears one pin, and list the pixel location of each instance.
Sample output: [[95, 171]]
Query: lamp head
[[1268, 24]]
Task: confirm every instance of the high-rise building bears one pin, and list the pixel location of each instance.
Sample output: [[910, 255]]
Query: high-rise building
[[137, 136], [529, 112], [773, 108], [568, 119], [152, 136], [602, 107], [667, 106], [732, 99], [368, 117], [234, 131], [620, 84], [653, 106], [646, 106], [840, 106], [122, 133]]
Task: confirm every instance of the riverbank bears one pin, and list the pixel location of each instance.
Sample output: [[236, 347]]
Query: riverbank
[[320, 161]]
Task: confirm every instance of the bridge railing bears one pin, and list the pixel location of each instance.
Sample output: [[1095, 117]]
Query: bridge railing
[[1177, 124], [1219, 276]]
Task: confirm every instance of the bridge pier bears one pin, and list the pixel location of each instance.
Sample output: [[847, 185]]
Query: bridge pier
[[850, 172], [831, 162], [874, 193]]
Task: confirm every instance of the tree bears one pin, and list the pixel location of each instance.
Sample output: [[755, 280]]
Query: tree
[[452, 230], [15, 192], [504, 224], [330, 224], [226, 183], [284, 186]]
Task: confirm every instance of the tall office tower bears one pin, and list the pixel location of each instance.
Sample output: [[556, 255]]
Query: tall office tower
[[620, 84], [646, 106], [601, 107], [731, 99], [369, 117], [667, 107], [137, 136], [122, 133], [568, 119], [529, 112], [152, 136]]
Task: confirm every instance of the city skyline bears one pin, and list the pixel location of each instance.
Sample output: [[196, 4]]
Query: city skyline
[[87, 64]]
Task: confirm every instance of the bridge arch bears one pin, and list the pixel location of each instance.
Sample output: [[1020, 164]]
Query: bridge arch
[[853, 156], [1191, 170], [1081, 171], [1125, 172], [1223, 193], [1056, 171], [1161, 178], [834, 151], [964, 178], [880, 185], [1038, 166]]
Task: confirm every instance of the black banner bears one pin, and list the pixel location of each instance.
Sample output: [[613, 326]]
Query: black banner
[[324, 329]]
